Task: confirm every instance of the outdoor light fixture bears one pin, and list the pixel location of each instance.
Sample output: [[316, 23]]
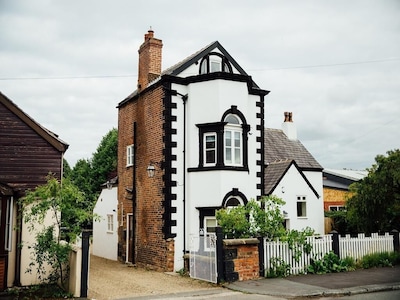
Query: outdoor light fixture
[[109, 185], [151, 170]]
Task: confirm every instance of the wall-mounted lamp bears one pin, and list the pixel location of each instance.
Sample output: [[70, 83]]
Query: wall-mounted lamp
[[151, 170], [283, 189], [109, 185]]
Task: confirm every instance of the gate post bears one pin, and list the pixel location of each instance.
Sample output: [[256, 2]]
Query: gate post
[[396, 240], [220, 254], [261, 256], [335, 242], [85, 262]]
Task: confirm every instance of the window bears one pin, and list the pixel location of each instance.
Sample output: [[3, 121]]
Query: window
[[210, 149], [233, 141], [129, 155], [301, 207], [336, 208], [214, 62], [224, 144], [110, 223]]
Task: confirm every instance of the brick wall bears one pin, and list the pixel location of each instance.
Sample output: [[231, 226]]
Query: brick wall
[[243, 256], [334, 197], [146, 111]]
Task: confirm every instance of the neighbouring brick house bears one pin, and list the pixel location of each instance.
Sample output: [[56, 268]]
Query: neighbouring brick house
[[336, 186], [190, 141], [28, 153]]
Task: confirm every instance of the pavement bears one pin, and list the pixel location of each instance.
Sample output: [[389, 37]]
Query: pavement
[[325, 285]]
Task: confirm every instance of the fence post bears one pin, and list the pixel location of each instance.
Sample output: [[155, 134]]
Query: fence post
[[261, 256], [396, 240], [220, 254], [335, 242], [85, 262]]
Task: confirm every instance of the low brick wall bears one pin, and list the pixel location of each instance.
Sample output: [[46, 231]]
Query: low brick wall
[[241, 259]]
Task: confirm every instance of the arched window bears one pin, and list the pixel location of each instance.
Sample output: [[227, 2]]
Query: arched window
[[233, 142], [214, 62]]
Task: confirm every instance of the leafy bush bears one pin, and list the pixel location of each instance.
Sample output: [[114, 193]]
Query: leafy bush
[[331, 263], [382, 259], [279, 268]]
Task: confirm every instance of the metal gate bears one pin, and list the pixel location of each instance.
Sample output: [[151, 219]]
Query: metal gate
[[203, 257]]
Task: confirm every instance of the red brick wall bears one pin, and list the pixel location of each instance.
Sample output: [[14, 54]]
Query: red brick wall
[[246, 258], [147, 111]]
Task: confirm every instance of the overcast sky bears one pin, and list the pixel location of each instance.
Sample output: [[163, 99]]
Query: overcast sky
[[334, 64]]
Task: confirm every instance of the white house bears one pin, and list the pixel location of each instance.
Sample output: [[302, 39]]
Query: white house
[[294, 175], [105, 224]]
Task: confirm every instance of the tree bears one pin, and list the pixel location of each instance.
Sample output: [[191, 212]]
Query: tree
[[89, 174], [375, 203], [61, 203]]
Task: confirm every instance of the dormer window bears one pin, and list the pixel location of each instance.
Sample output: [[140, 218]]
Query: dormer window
[[214, 62]]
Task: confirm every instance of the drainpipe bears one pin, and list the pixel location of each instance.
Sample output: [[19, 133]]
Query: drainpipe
[[134, 196], [184, 99]]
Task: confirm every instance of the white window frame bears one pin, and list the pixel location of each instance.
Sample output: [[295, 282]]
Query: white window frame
[[110, 223], [129, 155], [208, 134], [336, 207], [303, 200], [232, 148], [9, 225]]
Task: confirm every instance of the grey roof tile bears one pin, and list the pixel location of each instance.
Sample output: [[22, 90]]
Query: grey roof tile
[[279, 147]]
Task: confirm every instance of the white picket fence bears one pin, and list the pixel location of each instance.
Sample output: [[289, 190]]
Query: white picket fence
[[355, 247]]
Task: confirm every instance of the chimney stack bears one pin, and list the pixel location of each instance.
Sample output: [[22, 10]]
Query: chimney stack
[[288, 126], [149, 60]]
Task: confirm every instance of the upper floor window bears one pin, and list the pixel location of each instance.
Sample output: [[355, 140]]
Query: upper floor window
[[223, 144], [214, 62], [233, 141], [129, 155], [210, 149]]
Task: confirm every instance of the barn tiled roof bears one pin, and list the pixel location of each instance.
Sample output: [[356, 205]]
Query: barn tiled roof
[[278, 147]]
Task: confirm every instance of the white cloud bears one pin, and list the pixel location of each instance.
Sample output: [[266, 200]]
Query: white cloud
[[345, 114]]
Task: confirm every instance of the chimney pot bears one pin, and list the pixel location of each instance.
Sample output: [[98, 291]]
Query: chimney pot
[[288, 126]]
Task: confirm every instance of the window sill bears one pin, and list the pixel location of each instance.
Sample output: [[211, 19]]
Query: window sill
[[219, 168]]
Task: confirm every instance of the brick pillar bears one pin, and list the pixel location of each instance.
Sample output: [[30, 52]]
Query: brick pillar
[[170, 255]]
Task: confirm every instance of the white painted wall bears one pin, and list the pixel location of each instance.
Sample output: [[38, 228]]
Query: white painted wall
[[28, 238], [293, 185], [207, 102], [105, 242]]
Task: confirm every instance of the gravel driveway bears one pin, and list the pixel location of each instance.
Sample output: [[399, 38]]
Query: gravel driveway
[[112, 280]]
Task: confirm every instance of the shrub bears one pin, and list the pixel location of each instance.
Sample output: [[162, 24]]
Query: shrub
[[382, 259], [279, 268], [331, 263]]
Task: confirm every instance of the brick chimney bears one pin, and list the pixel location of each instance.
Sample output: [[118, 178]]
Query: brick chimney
[[149, 59], [288, 127]]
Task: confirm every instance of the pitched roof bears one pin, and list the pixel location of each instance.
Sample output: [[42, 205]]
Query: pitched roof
[[278, 147], [275, 171], [46, 134], [176, 69], [341, 179]]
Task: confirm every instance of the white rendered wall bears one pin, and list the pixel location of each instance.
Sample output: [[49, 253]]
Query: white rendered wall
[[293, 185], [207, 102], [105, 242]]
